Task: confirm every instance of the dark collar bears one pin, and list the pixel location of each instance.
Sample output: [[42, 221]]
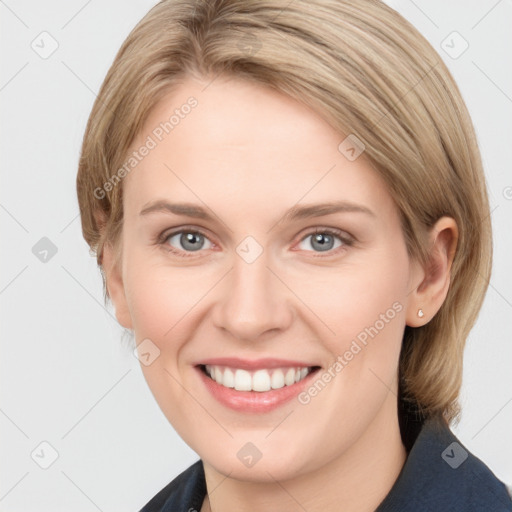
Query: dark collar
[[439, 475]]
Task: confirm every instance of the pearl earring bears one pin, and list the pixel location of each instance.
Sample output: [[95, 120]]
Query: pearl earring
[[420, 313]]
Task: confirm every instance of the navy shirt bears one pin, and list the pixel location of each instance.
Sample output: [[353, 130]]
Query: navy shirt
[[439, 475]]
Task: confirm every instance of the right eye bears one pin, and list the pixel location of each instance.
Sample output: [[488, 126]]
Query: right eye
[[186, 241]]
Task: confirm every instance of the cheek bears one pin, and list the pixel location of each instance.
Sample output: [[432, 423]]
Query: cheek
[[362, 311], [357, 297], [161, 300], [161, 296]]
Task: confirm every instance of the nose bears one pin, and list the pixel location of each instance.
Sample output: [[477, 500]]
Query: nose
[[252, 301]]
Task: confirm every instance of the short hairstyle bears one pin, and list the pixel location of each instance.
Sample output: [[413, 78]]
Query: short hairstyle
[[369, 73]]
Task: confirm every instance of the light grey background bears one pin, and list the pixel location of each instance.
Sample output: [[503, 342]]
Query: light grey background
[[66, 377]]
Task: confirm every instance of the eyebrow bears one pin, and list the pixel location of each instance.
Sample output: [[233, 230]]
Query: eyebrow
[[294, 213]]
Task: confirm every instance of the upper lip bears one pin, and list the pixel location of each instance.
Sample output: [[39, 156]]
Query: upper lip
[[254, 364]]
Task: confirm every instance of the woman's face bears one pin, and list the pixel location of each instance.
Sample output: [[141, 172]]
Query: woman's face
[[255, 245]]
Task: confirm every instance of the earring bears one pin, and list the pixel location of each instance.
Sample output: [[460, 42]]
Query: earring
[[420, 313]]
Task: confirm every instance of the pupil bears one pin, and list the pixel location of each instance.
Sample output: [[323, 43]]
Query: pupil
[[190, 241], [324, 241]]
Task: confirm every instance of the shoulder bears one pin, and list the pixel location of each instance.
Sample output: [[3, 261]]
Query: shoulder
[[184, 494], [440, 473]]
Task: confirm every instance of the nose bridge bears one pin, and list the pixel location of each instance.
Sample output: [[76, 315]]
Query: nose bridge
[[252, 301]]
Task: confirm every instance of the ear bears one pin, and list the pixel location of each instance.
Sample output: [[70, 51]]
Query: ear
[[434, 279], [115, 286]]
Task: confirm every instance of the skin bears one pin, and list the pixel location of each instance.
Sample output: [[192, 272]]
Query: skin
[[250, 154]]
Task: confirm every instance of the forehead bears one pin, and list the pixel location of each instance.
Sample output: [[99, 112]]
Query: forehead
[[230, 138]]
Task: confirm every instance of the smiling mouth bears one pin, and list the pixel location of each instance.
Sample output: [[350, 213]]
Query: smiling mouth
[[261, 380]]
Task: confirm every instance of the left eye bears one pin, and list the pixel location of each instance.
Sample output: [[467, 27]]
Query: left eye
[[321, 241], [189, 241]]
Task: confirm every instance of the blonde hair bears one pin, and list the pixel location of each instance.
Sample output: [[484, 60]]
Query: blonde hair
[[368, 72]]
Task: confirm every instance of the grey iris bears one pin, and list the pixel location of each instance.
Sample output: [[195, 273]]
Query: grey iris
[[189, 241], [322, 241]]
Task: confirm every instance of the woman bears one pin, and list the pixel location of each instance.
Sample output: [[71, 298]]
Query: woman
[[320, 158]]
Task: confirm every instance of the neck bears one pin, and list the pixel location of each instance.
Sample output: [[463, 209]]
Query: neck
[[357, 480]]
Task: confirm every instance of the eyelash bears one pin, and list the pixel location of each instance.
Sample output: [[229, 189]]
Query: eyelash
[[162, 239]]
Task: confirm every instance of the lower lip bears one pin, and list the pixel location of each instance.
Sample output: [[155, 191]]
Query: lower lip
[[254, 401]]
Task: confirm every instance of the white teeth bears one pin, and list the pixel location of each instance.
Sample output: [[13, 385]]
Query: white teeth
[[277, 379], [260, 380], [218, 375], [243, 380], [289, 378], [229, 378]]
